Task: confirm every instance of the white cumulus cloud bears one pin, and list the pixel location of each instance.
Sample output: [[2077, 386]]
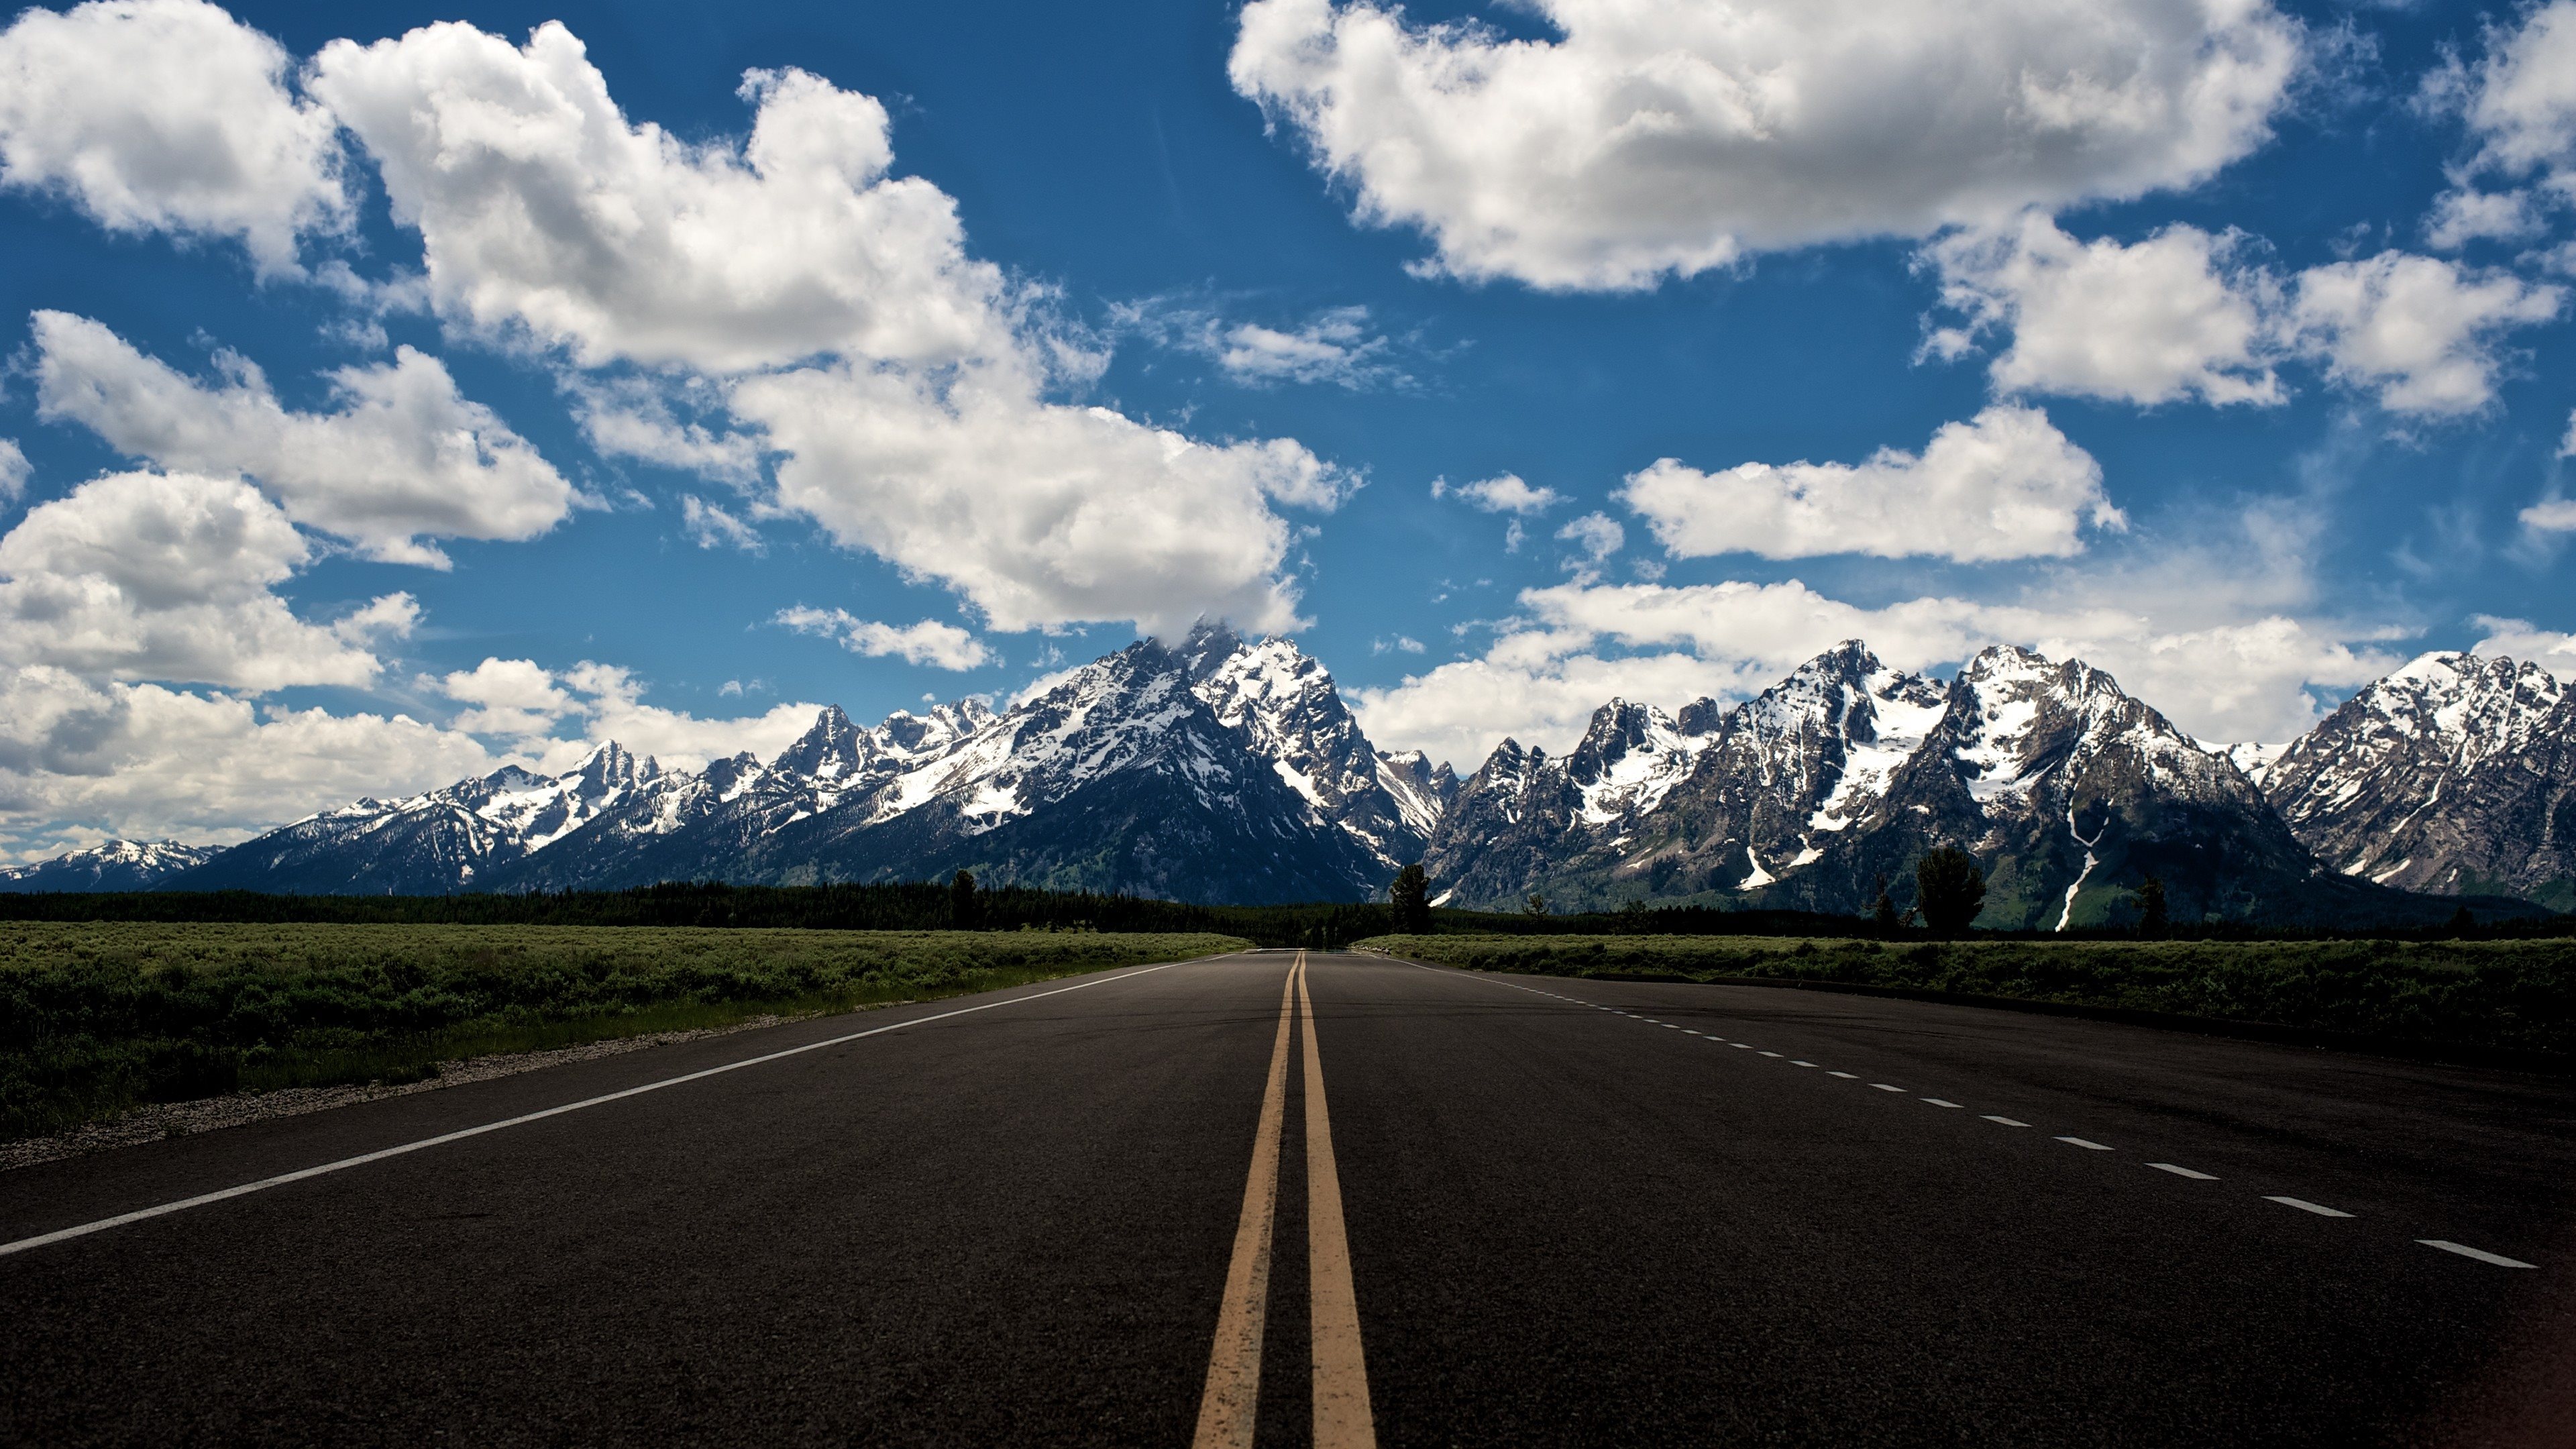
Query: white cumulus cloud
[[928, 642], [171, 577], [524, 704], [1039, 513], [1595, 537], [2521, 639], [2169, 317], [170, 116], [14, 471], [2520, 104], [149, 762], [2005, 484], [2422, 332], [1336, 347], [830, 314], [2185, 314], [2461, 216], [513, 697], [1666, 137], [541, 207], [402, 454], [1502, 493], [711, 526], [609, 703]]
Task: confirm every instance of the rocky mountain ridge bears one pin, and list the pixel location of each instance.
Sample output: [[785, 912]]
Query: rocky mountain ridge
[[2456, 774], [1216, 770], [1815, 792], [1221, 769]]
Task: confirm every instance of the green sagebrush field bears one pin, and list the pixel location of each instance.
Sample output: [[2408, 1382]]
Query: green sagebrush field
[[2514, 995], [96, 1017]]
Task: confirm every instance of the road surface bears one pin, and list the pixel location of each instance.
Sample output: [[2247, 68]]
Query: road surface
[[1171, 1205]]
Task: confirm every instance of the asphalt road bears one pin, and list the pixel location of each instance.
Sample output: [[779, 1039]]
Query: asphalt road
[[1621, 1222]]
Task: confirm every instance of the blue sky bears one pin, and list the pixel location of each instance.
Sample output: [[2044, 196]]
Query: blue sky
[[392, 403]]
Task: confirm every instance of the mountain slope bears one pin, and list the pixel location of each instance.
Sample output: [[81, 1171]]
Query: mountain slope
[[2455, 774], [1701, 804], [1525, 822], [1285, 705], [2072, 792]]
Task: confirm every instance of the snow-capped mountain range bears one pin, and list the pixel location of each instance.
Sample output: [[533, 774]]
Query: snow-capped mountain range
[[1219, 769], [1812, 793], [1226, 770], [117, 865]]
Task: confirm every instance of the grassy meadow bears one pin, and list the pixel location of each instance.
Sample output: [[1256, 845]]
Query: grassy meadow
[[2514, 995], [96, 1017]]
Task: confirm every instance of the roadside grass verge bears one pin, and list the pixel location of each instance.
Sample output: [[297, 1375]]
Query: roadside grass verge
[[98, 1017], [2512, 996]]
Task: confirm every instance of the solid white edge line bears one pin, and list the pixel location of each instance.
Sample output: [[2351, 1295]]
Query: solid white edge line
[[2182, 1172], [2305, 1206], [380, 1154], [2465, 1251]]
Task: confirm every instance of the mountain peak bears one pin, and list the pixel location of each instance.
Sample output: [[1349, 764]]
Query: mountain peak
[[1209, 644], [611, 766], [832, 748]]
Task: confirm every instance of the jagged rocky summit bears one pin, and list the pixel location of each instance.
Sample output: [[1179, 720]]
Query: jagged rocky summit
[[2456, 774], [1225, 770]]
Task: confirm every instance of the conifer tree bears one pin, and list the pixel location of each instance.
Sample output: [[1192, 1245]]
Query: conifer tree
[[1950, 889], [2151, 907], [1411, 897], [962, 905]]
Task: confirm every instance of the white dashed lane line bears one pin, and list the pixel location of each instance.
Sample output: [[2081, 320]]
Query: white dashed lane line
[[2319, 1209], [2465, 1251]]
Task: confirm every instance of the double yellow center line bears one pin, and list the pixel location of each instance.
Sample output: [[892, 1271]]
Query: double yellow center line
[[1227, 1408]]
